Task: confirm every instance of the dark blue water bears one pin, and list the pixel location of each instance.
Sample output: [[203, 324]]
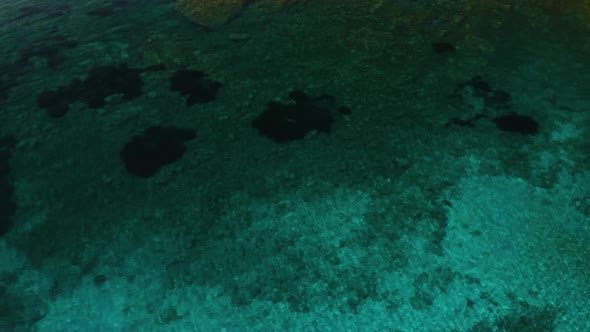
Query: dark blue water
[[294, 166]]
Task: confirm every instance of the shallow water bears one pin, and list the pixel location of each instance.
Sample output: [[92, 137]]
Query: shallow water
[[294, 165]]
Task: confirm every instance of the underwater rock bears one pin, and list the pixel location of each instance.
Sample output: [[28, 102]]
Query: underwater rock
[[442, 47], [7, 205], [487, 102], [195, 85], [44, 10], [155, 148], [5, 87], [102, 11], [479, 88], [109, 80], [518, 124], [57, 102], [50, 48], [289, 122], [478, 95], [101, 83], [108, 9]]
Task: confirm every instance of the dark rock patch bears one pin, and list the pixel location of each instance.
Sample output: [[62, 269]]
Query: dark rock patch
[[102, 11], [470, 123], [49, 48], [497, 99], [518, 124], [27, 15], [442, 47], [493, 102], [13, 70], [108, 9], [522, 317], [195, 85], [101, 83], [289, 122], [57, 102], [6, 85], [43, 10], [7, 204], [155, 148], [105, 81], [344, 110]]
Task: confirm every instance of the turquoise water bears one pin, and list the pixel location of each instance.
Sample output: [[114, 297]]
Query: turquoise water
[[381, 166]]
